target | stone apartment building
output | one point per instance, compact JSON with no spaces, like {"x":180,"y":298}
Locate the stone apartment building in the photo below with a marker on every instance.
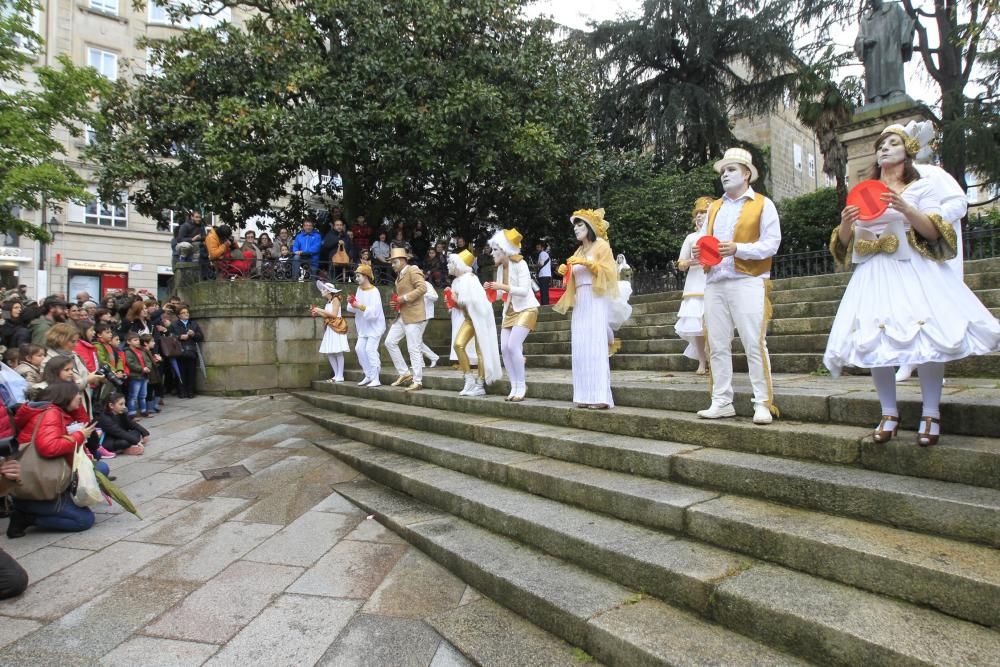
{"x":96,"y":247}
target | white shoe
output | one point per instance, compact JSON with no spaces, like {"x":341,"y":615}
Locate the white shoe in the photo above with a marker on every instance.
{"x":762,"y":415}
{"x":470,"y":382}
{"x":904,"y":373}
{"x":478,"y":388}
{"x":519,"y":391}
{"x":329,"y":381}
{"x":365,"y":381}
{"x":434,"y":362}
{"x":513,"y":391}
{"x":374,"y":383}
{"x":718,"y":411}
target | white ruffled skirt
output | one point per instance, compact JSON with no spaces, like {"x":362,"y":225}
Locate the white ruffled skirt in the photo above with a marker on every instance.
{"x":334,"y":342}
{"x":908,"y":313}
{"x":690,"y":323}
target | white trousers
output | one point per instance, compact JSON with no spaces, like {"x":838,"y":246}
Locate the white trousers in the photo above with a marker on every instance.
{"x":367,"y":350}
{"x":737,"y":303}
{"x":414,"y":334}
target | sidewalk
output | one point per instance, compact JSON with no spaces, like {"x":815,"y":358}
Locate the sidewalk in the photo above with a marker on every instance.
{"x":266,"y":566}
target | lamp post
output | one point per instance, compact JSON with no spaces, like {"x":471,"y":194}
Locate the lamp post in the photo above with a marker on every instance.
{"x":51,"y":225}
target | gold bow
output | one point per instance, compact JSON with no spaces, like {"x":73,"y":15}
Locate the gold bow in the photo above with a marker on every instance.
{"x":887,"y":244}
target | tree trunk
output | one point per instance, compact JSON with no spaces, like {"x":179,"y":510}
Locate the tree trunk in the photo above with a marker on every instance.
{"x":953,"y":139}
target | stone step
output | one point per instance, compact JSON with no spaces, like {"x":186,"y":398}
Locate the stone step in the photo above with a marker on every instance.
{"x":972,"y":267}
{"x":960,"y":579}
{"x":684,"y":573}
{"x":940,"y":508}
{"x":776,"y":344}
{"x":614,"y":624}
{"x":987,"y":366}
{"x":967,"y":410}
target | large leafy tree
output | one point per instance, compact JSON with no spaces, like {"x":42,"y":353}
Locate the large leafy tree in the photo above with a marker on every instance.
{"x":675,"y":75}
{"x":966,"y":50}
{"x":32,"y":167}
{"x":459,"y":112}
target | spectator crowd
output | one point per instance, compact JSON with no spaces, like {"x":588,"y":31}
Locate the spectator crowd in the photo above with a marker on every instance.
{"x":78,"y":379}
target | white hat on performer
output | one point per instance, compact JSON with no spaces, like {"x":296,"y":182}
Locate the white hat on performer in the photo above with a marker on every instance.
{"x":326,"y":288}
{"x":737,"y":156}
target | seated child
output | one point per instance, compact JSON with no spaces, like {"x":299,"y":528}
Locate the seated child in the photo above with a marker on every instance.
{"x":122,"y":434}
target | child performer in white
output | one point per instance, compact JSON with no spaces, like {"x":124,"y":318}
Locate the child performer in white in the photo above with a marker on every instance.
{"x":369,"y":320}
{"x":520,"y":312}
{"x":334,"y":342}
{"x":690,"y":318}
{"x":479,"y":324}
{"x":430,"y":298}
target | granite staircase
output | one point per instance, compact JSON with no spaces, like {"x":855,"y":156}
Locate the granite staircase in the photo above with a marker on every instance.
{"x":646,"y":536}
{"x":804,"y":309}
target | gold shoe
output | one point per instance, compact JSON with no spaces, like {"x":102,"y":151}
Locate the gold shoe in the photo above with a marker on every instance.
{"x":406,"y":377}
{"x":614,"y":346}
{"x":880,"y":434}
{"x":416,"y":386}
{"x":924,"y":436}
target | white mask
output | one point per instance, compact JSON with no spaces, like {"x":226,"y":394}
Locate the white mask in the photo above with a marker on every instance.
{"x":733,"y":177}
{"x":499,"y":256}
{"x":580,"y":230}
{"x":892,"y":151}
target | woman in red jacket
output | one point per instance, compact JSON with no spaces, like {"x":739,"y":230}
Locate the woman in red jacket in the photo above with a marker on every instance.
{"x":52,"y":417}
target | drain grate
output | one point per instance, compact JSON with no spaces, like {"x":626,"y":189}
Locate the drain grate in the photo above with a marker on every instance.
{"x":229,"y":472}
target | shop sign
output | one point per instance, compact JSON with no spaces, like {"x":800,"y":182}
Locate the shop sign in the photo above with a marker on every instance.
{"x":84,"y":265}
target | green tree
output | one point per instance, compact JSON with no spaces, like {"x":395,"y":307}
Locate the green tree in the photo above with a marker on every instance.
{"x":462,"y":114}
{"x":32,"y":171}
{"x":675,"y":75}
{"x":650,"y":212}
{"x":808,"y":220}
{"x":967,"y":50}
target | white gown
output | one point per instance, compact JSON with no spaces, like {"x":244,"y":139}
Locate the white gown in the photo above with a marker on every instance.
{"x":690,"y":317}
{"x":333,"y":342}
{"x":908,"y":312}
{"x":591,"y":334}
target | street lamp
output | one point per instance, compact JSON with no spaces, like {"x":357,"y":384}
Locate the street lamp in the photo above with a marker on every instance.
{"x":51,"y":225}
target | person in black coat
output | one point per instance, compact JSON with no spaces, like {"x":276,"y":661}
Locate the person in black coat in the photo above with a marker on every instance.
{"x":331,"y":241}
{"x":189,"y":334}
{"x":122,"y":434}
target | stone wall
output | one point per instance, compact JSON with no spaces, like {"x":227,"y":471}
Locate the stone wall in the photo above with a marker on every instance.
{"x":260,"y":338}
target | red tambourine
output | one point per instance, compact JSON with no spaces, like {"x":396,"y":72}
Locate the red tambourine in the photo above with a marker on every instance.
{"x":867,"y":196}
{"x":708,"y":251}
{"x":491,"y":295}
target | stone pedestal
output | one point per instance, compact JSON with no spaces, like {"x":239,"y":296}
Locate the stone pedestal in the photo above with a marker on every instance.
{"x":860,"y":134}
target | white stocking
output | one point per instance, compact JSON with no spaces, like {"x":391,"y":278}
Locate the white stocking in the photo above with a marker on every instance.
{"x":336,"y":360}
{"x":931,"y":378}
{"x":885,"y":385}
{"x":512,"y":348}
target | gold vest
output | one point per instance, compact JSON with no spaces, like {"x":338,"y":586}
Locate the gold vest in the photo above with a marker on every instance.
{"x":747,"y":231}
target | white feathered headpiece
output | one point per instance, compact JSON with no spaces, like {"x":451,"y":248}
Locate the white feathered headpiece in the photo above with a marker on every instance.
{"x":923,"y":132}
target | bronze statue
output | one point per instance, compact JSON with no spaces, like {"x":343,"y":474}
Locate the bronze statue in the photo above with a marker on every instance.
{"x":884,"y":43}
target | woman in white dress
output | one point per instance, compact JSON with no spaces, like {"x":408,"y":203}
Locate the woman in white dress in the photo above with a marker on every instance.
{"x":520,"y":311}
{"x":334,"y":342}
{"x":690,"y":325}
{"x":904,"y":305}
{"x":369,"y":321}
{"x":591,"y":288}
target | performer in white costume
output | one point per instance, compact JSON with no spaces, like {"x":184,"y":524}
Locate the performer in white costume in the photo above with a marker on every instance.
{"x":430,"y":298}
{"x":593,"y":292}
{"x":904,"y":304}
{"x":954,"y":203}
{"x":369,"y":320}
{"x":736,"y":290}
{"x":334,"y":342}
{"x":520,"y":311}
{"x":409,"y":301}
{"x":479,"y":325}
{"x":690,"y":318}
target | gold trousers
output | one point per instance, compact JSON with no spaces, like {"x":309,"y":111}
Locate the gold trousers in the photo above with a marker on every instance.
{"x":467,"y":332}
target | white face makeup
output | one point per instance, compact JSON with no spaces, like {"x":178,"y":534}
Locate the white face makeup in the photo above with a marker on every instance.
{"x":358,"y":279}
{"x":580,"y":230}
{"x":499,"y":256}
{"x":891,"y":151}
{"x":699,"y":220}
{"x":397,"y":265}
{"x":733,"y":177}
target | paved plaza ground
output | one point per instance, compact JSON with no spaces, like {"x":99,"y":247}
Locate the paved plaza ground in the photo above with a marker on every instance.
{"x":272,"y":568}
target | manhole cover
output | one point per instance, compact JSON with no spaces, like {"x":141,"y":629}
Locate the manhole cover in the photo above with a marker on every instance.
{"x":230,"y":472}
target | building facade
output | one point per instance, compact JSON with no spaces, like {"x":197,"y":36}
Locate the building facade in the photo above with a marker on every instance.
{"x":98,"y":246}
